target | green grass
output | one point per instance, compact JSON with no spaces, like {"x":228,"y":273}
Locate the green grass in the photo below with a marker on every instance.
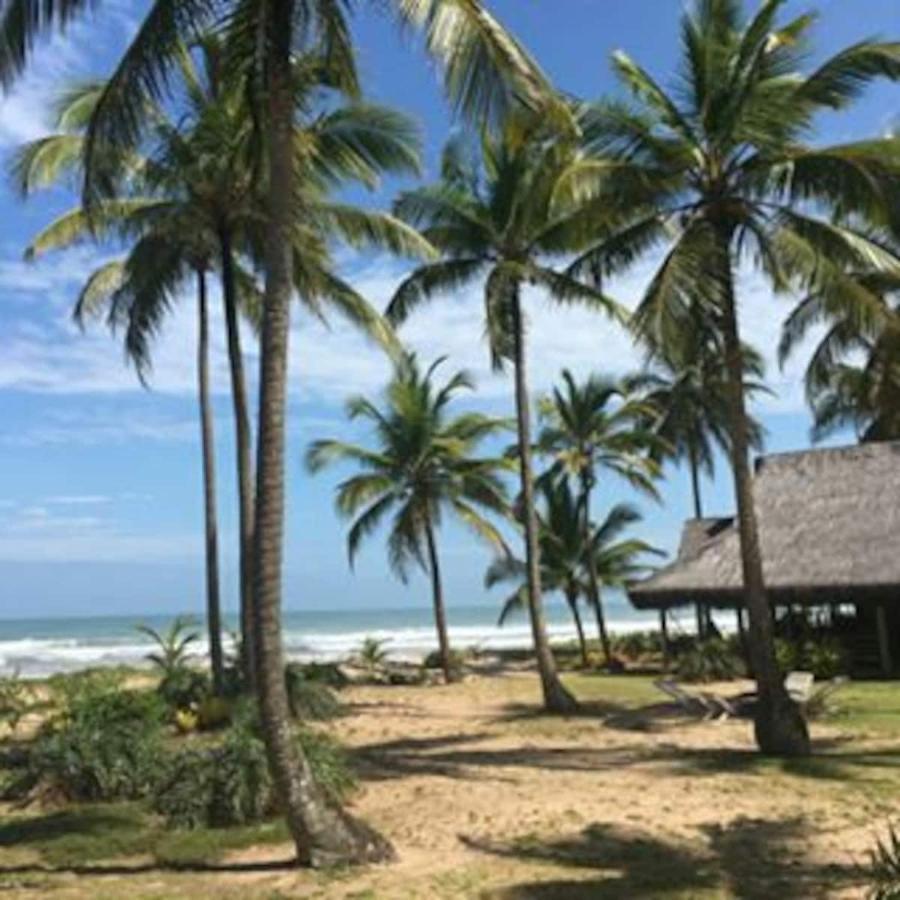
{"x":868,"y":708}
{"x":92,"y":834}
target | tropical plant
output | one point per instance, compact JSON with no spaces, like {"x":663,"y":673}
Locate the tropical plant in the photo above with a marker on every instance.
{"x":373,"y":653}
{"x":486,"y":72}
{"x":104,"y":743}
{"x":310,"y":700}
{"x":173,"y":646}
{"x":564,"y":555}
{"x":685,"y":387}
{"x":712,"y":659}
{"x":723,"y":164}
{"x":491,"y":218}
{"x":883,"y":870}
{"x":423,"y":467}
{"x":16,"y":699}
{"x":598,"y":426}
{"x":853,"y":376}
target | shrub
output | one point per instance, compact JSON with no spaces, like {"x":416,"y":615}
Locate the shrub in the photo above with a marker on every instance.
{"x":710,"y":660}
{"x":883,"y":871}
{"x":637,"y":644}
{"x":310,"y":700}
{"x":213,"y":712}
{"x":16,"y":699}
{"x":372,"y":653}
{"x":825,"y":657}
{"x":457,"y":662}
{"x":323,"y":673}
{"x":102,"y":745}
{"x":183,"y":688}
{"x":229,"y":784}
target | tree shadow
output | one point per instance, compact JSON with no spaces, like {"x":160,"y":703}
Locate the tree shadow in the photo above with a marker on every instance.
{"x":753,"y":859}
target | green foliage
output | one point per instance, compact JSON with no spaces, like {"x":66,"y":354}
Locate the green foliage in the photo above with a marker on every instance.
{"x":637,"y":644}
{"x":710,"y":660}
{"x":213,"y":712}
{"x":16,"y":698}
{"x":228,"y":783}
{"x":825,"y":657}
{"x":372,"y":654}
{"x":883,"y":870}
{"x":323,"y":673}
{"x":173,"y":646}
{"x":310,"y":700}
{"x":102,"y":745}
{"x":458,"y":660}
{"x":183,"y":688}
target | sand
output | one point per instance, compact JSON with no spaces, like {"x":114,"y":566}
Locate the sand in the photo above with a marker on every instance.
{"x":482,"y":797}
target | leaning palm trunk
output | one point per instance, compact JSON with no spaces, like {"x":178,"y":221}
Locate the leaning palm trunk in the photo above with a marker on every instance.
{"x":702,"y":620}
{"x":593,"y":579}
{"x":323,"y":833}
{"x":572,"y":601}
{"x":556,"y":697}
{"x":780,"y":727}
{"x":243,"y":441}
{"x":207,"y":440}
{"x":440,"y":614}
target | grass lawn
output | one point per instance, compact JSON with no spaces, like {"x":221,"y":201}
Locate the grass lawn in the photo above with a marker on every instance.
{"x":485,"y":797}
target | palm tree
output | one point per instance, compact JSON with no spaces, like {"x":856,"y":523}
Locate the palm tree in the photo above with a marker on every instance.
{"x":853,"y":376}
{"x":723,"y":162}
{"x":422,"y":468}
{"x":491,"y":219}
{"x":685,"y":387}
{"x":599,"y":425}
{"x":564,"y":561}
{"x":486,"y":73}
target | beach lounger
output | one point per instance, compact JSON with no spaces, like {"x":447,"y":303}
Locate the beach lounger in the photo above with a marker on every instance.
{"x":799,"y":686}
{"x":709,"y":706}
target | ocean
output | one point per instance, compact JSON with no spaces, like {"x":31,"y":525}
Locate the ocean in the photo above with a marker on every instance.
{"x":39,"y":647}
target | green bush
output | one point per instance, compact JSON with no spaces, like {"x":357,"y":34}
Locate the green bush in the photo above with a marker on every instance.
{"x":101,"y":745}
{"x":182,"y":688}
{"x":16,"y":699}
{"x":825,"y":657}
{"x":310,"y":700}
{"x":637,"y":644}
{"x":323,"y":673}
{"x":710,"y":660}
{"x":229,"y":784}
{"x":457,"y":662}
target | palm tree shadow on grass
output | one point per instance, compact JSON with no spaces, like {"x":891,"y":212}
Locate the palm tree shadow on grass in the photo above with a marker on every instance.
{"x":750,"y":859}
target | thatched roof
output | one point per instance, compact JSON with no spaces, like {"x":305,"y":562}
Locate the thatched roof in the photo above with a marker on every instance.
{"x":829,"y":523}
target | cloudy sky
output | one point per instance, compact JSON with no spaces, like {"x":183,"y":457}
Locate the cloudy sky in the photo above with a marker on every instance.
{"x":100,"y":504}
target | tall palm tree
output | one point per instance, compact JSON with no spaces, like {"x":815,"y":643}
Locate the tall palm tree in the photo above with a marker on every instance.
{"x":853,"y":376}
{"x":723,"y":161}
{"x":491,"y":219}
{"x":486,"y":71}
{"x":423,"y":467}
{"x":598,"y":426}
{"x":564,"y":555}
{"x":686,"y":389}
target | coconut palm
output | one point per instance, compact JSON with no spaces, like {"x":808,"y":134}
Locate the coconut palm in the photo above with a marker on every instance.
{"x":564,"y":560}
{"x":423,"y":468}
{"x":685,"y":388}
{"x":723,"y":164}
{"x":486,"y":73}
{"x":492,"y":222}
{"x":599,"y":425}
{"x":853,"y":376}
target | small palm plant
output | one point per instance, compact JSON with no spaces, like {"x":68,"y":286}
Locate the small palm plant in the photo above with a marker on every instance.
{"x":373,"y":653}
{"x":424,"y":466}
{"x":173,"y":646}
{"x":883,"y":871}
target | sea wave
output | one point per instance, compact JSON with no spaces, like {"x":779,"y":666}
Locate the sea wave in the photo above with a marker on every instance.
{"x":35,"y":657}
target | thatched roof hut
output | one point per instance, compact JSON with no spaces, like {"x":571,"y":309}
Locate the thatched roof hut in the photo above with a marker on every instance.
{"x":829,"y":523}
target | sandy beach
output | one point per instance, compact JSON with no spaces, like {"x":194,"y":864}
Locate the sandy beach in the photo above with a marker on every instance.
{"x":484,"y":797}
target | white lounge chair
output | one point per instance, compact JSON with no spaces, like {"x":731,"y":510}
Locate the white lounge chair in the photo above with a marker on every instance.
{"x":709,"y":706}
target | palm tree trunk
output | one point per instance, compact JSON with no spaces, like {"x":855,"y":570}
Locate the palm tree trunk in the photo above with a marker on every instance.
{"x":243,"y":441}
{"x":323,"y":833}
{"x":779,"y":725}
{"x":208,"y":444}
{"x":556,"y":697}
{"x":587,"y":483}
{"x":572,"y":600}
{"x":698,"y":514}
{"x":437,"y":594}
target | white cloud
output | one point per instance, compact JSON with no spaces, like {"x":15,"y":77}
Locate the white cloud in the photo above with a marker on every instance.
{"x":78,"y":499}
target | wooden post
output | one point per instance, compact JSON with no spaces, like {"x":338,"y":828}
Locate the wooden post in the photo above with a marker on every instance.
{"x":884,"y":642}
{"x":664,"y":631}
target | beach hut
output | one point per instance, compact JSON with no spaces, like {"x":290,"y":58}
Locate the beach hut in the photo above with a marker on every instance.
{"x":829,"y":523}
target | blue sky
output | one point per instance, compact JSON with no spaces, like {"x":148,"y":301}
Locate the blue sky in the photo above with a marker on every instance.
{"x":100,"y":505}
